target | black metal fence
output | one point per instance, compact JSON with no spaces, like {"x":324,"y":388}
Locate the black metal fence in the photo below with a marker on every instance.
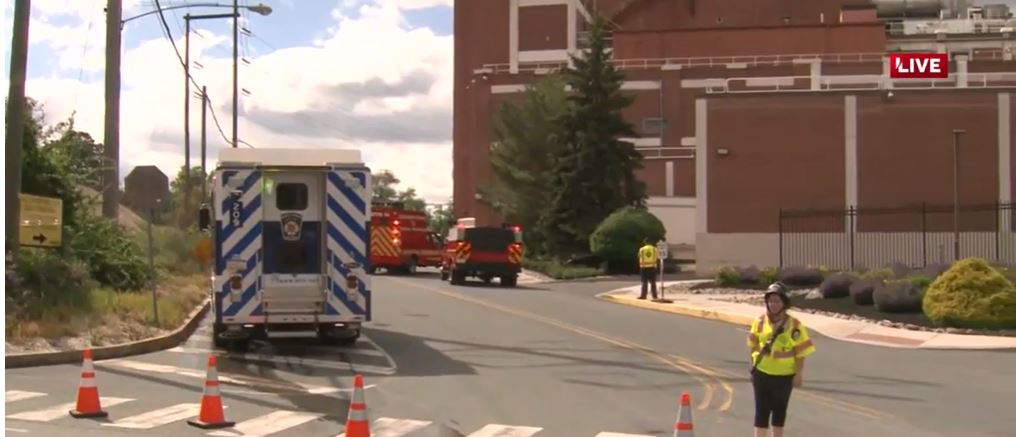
{"x":916,"y":235}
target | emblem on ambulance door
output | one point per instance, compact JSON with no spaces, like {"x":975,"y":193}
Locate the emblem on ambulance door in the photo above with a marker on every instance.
{"x":292,"y":223}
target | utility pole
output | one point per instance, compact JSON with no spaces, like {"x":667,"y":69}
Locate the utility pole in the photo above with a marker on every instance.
{"x":204,"y":143}
{"x":16,"y":121}
{"x":186,"y":116}
{"x":111,"y":135}
{"x":236,"y":55}
{"x":956,"y":192}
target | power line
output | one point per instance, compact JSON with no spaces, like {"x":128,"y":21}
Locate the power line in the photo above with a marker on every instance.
{"x":169,"y":34}
{"x":84,"y":53}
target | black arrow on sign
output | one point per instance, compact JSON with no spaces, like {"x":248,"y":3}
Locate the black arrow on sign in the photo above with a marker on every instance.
{"x":40,"y":238}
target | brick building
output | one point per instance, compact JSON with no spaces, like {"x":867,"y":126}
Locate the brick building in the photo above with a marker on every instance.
{"x":744,"y":110}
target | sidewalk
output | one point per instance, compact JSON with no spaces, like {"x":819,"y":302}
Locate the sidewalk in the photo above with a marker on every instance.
{"x":709,"y":307}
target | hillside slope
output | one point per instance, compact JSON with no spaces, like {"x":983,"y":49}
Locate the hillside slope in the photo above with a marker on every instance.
{"x":128,"y":218}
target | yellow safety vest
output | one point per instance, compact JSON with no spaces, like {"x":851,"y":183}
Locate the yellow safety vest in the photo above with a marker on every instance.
{"x":793,"y":343}
{"x":647,"y":256}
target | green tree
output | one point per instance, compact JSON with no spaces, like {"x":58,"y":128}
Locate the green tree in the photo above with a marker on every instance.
{"x":183,"y":214}
{"x":441,"y":218}
{"x":42,"y":172}
{"x":384,"y":184}
{"x":77,"y":153}
{"x":594,"y":171}
{"x":527,"y":138}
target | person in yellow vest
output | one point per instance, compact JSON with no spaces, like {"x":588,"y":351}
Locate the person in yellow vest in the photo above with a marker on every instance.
{"x":647,"y":265}
{"x":779,"y":343}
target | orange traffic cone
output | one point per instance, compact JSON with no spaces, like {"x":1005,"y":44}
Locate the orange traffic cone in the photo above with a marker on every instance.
{"x":683,"y":427}
{"x":211,"y":415}
{"x":357,"y":424}
{"x":88,"y":405}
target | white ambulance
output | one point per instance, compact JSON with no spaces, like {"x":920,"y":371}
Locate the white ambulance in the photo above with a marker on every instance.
{"x":290,"y":231}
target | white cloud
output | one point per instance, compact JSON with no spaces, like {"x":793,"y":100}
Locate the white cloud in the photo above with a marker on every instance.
{"x":372,"y":84}
{"x":419,"y":4}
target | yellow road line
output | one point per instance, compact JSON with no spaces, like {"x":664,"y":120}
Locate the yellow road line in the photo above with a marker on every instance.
{"x":664,"y":358}
{"x":738,"y":319}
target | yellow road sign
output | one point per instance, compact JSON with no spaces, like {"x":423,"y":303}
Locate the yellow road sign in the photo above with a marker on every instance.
{"x":41,"y":221}
{"x":202,"y":251}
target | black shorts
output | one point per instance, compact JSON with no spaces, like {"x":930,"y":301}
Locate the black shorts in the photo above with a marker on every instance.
{"x":772,"y":396}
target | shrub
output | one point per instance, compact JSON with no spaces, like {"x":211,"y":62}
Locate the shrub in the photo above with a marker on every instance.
{"x":44,"y":280}
{"x":801,"y":276}
{"x":174,"y":248}
{"x":882,"y":274}
{"x":618,"y":237}
{"x":899,"y":269}
{"x":727,"y":277}
{"x":114,"y":258}
{"x":932,"y":271}
{"x":557,"y":270}
{"x":749,"y":275}
{"x":971,"y":294}
{"x":837,"y":285}
{"x":861,"y":291}
{"x":768,"y":275}
{"x":898,"y":296}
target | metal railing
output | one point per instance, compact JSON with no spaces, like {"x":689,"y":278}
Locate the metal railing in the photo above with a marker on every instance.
{"x":716,"y":61}
{"x":917,"y":236}
{"x":667,"y":152}
{"x":950,"y":27}
{"x":858,"y":82}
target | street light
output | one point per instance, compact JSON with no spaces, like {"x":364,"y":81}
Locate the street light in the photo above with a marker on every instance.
{"x":260,"y":9}
{"x":956,"y":192}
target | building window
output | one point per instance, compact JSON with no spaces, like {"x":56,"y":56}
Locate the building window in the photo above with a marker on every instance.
{"x":291,"y":197}
{"x":653,"y":126}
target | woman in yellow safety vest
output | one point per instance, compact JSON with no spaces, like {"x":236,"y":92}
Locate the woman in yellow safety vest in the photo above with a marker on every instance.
{"x":777,"y":360}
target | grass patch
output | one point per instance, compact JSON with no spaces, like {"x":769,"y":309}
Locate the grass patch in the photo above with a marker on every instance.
{"x":557,"y":270}
{"x":112,"y":317}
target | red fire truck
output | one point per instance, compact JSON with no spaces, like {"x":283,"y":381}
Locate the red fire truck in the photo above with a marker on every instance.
{"x":400,"y":240}
{"x":484,"y":252}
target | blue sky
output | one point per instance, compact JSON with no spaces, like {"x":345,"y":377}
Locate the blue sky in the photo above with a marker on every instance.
{"x":367,"y":74}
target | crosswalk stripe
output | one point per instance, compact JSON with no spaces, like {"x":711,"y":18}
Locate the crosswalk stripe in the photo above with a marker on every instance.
{"x":18,"y":395}
{"x":249,"y":382}
{"x":268,"y":424}
{"x":620,"y":434}
{"x":48,"y":414}
{"x":388,"y":427}
{"x":505,"y":431}
{"x":158,"y":417}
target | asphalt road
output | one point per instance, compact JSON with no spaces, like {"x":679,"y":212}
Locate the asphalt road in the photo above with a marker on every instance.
{"x":545,"y":358}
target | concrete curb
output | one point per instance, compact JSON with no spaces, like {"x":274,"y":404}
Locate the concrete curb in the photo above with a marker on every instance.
{"x":147,"y":345}
{"x":722,"y":316}
{"x":740,"y":319}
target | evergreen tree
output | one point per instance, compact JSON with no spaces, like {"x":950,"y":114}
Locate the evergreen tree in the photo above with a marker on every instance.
{"x":527,"y":138}
{"x":595,"y":170}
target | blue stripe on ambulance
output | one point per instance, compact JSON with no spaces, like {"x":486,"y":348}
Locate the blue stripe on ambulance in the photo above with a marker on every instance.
{"x":250,"y":241}
{"x":341,"y":228}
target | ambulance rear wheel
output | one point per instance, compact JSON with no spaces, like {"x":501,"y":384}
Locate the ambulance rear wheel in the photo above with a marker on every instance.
{"x":509,"y":281}
{"x":458,"y":278}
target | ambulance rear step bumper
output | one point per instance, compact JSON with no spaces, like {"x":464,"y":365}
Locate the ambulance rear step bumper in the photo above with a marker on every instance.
{"x":292,"y":334}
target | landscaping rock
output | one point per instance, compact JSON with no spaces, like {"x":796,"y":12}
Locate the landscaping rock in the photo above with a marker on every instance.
{"x":800,"y":276}
{"x":862,"y":291}
{"x":837,"y":285}
{"x":899,"y":296}
{"x":814,"y":294}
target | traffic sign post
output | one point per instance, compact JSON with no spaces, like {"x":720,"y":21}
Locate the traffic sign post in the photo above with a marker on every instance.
{"x":41,"y":221}
{"x":661,"y":251}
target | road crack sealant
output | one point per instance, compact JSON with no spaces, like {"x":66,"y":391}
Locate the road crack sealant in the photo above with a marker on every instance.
{"x":681,"y":363}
